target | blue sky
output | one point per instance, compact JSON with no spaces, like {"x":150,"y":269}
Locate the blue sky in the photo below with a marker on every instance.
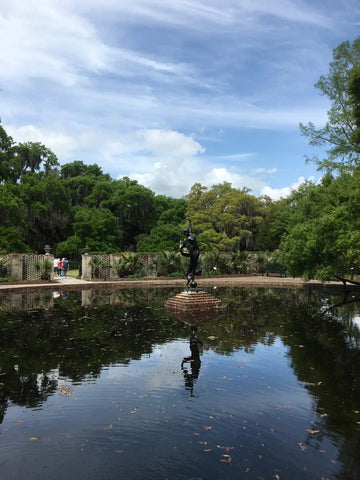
{"x":173,"y":93}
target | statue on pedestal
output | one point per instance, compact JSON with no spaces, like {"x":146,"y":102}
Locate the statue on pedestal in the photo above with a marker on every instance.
{"x":190,"y":248}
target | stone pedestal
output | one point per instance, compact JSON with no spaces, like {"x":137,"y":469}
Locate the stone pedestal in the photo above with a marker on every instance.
{"x":194,"y":306}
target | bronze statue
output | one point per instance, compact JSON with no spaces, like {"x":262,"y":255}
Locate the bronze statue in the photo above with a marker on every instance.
{"x":189,"y":248}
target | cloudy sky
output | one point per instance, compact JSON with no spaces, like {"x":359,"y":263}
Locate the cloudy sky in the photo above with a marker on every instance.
{"x":172,"y":93}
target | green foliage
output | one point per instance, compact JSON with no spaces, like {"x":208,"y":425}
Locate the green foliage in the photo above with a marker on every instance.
{"x":274,"y":226}
{"x":97,"y":227}
{"x":99,"y":266}
{"x":72,"y":247}
{"x":239,"y":262}
{"x":168,"y":262}
{"x":12,"y":241}
{"x":227,"y":219}
{"x":45,"y":267}
{"x":163,"y":237}
{"x":324,"y":227}
{"x":214,"y":263}
{"x":341,"y":87}
{"x":129,"y":263}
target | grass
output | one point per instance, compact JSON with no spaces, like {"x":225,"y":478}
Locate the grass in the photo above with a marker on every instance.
{"x":73,"y":273}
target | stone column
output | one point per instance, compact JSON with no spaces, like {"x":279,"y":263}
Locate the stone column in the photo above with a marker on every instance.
{"x":16,"y":267}
{"x":85,"y":267}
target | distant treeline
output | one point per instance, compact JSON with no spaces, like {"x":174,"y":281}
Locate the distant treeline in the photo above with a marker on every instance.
{"x":74,"y":205}
{"x":316,"y":230}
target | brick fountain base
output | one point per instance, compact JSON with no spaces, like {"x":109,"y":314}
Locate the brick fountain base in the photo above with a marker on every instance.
{"x":194,"y":306}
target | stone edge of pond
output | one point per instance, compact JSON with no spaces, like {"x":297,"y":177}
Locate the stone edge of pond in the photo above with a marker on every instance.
{"x":214,"y":281}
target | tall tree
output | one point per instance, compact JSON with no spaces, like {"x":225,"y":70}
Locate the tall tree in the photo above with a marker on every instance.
{"x":225,"y":218}
{"x":338,"y":133}
{"x":324,"y":227}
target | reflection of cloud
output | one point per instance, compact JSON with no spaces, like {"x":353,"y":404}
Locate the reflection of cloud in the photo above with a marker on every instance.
{"x":159,"y":370}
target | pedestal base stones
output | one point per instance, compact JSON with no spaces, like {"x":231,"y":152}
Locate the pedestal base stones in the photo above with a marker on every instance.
{"x":193,"y":306}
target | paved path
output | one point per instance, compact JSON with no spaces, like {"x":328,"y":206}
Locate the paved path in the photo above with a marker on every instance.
{"x":219,"y":281}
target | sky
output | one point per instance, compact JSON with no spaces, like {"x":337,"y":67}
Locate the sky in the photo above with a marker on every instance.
{"x":173,"y":93}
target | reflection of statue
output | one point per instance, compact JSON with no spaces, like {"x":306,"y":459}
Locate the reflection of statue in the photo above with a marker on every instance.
{"x":194,"y":360}
{"x":189,"y":248}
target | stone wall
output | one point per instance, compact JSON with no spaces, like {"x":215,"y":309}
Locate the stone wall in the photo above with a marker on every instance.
{"x":21,"y":267}
{"x":105,"y":269}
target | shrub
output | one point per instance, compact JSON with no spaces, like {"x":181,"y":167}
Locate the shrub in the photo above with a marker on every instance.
{"x":129,"y":264}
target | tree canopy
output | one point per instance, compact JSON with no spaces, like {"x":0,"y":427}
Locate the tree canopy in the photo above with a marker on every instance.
{"x":226,"y":218}
{"x":316,"y":228}
{"x":341,"y":86}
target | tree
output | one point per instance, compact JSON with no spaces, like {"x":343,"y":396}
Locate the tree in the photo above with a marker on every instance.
{"x":161,"y":238}
{"x":324,"y":227}
{"x":46,"y":209}
{"x":31,"y":155}
{"x":338,"y":133}
{"x":133,"y":206}
{"x":354,"y":90}
{"x":225,"y":218}
{"x":6,"y":154}
{"x":274,"y":226}
{"x":98,"y":228}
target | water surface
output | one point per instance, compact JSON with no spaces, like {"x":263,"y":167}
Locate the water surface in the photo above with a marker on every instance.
{"x":106,"y":384}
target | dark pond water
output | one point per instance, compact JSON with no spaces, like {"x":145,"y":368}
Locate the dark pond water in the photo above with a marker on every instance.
{"x":107,"y":385}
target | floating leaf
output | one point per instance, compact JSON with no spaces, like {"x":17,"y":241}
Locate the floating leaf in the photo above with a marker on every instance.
{"x":32,"y":438}
{"x":312,"y":431}
{"x":205,"y":427}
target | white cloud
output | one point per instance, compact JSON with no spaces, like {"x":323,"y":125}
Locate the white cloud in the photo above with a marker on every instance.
{"x":264,"y":170}
{"x":277,"y":193}
{"x":119,"y":83}
{"x":170,"y":162}
{"x":60,"y":143}
{"x":170,"y":143}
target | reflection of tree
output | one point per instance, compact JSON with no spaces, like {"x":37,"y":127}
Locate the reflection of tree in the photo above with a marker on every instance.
{"x":193,"y":361}
{"x":325,"y":355}
{"x":323,"y":343}
{"x":76,"y":341}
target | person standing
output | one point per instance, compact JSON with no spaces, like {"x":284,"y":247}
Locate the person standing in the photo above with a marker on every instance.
{"x":65,"y":266}
{"x":56,"y":261}
{"x":60,"y":264}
